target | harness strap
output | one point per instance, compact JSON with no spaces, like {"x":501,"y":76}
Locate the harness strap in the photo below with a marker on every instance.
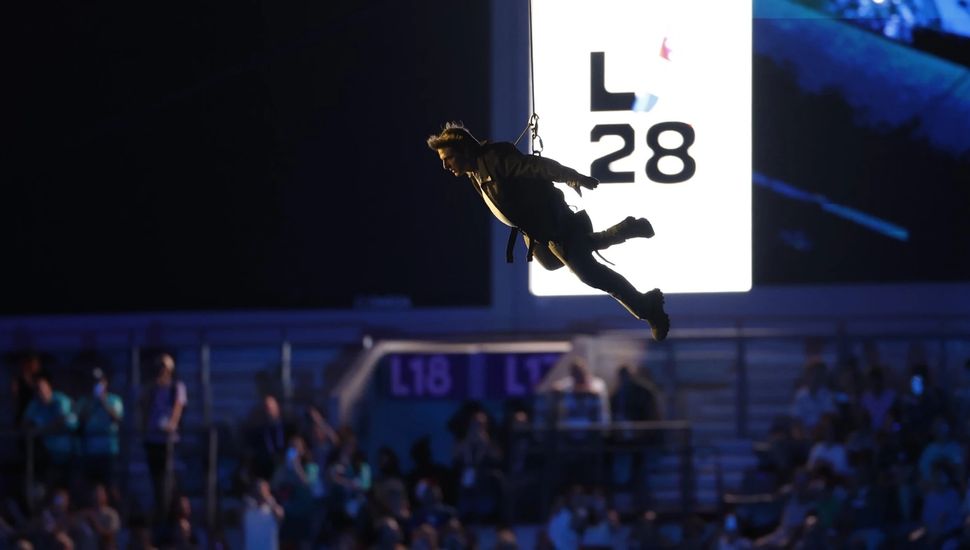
{"x":510,"y":246}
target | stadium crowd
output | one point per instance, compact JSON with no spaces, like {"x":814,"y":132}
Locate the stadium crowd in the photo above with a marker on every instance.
{"x":867,"y":458}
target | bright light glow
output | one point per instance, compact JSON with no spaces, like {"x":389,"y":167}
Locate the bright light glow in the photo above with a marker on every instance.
{"x":678,"y":61}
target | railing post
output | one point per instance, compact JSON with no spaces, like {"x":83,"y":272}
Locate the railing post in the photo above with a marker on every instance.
{"x":136,"y":422}
{"x":211,"y":486}
{"x":741,"y":383}
{"x":286,"y":373}
{"x":30,"y":473}
{"x":205,"y":378}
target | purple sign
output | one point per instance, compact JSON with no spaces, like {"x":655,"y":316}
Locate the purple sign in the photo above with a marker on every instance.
{"x":517,"y":374}
{"x":418,"y":375}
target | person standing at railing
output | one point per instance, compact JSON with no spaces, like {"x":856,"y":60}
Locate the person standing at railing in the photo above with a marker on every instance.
{"x":163,"y":403}
{"x":51,"y":415}
{"x":100,"y":416}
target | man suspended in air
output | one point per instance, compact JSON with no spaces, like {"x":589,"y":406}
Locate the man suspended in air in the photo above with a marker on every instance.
{"x":519,"y":191}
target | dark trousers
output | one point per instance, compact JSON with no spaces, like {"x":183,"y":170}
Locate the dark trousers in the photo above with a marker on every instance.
{"x":161,"y":467}
{"x":574,"y":249}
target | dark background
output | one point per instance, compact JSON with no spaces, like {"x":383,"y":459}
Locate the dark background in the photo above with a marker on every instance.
{"x":255,"y":156}
{"x":245,"y":156}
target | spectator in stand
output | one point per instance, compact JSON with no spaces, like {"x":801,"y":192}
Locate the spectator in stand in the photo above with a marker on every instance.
{"x":878,"y":400}
{"x":163,"y":403}
{"x":800,"y":500}
{"x":961,"y":402}
{"x":181,"y":531}
{"x":424,"y":538}
{"x":941,"y":518}
{"x":813,"y":400}
{"x":583,"y":396}
{"x":261,"y":520}
{"x":602,"y":522}
{"x":266,"y":437}
{"x":348,"y":481}
{"x":100,"y":416}
{"x":319,"y":435}
{"x":454,"y":536}
{"x":24,"y":384}
{"x":50,"y":413}
{"x":425,"y":468}
{"x":430,"y":509}
{"x":943,"y":448}
{"x":730,"y":537}
{"x":477,"y":461}
{"x":505,"y":539}
{"x":103,"y":519}
{"x":828,"y":450}
{"x":636,"y":398}
{"x":297,"y":483}
{"x":389,"y":535}
{"x":869,"y":508}
{"x":568,"y":520}
{"x":919,"y":406}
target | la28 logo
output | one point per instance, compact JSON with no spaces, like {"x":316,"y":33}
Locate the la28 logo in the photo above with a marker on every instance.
{"x":602,"y":100}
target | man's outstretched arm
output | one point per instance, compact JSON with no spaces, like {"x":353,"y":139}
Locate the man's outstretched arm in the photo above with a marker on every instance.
{"x":517,"y":165}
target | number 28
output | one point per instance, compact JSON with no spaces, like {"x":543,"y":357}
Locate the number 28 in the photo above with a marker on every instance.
{"x":600,"y":169}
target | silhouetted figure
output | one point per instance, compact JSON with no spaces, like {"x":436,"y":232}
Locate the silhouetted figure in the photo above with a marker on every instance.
{"x":163,"y":403}
{"x":519,"y":191}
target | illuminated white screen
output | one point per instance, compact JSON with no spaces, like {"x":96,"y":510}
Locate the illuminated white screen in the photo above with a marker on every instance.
{"x":660,"y":61}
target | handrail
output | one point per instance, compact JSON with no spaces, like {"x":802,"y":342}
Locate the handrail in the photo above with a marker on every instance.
{"x":30,"y":435}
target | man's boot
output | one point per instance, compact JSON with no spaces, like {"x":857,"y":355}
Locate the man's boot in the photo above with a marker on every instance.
{"x":629,"y":228}
{"x":649,"y":307}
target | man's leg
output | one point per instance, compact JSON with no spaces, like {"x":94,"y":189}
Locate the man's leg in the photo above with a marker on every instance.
{"x":577,"y":255}
{"x":629,"y":228}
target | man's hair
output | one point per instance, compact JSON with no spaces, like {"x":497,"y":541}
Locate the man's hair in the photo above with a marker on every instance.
{"x":454,"y":134}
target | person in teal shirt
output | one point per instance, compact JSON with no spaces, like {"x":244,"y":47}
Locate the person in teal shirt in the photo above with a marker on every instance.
{"x":51,"y":416}
{"x":100,"y":416}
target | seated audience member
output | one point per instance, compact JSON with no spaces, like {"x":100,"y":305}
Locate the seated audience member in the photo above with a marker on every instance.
{"x":430,"y":508}
{"x":943,"y":448}
{"x":828,"y":450}
{"x":453,"y":536}
{"x":813,"y":399}
{"x":730,"y":538}
{"x":800,"y":500}
{"x":602,"y":522}
{"x":583,"y":397}
{"x":262,"y":518}
{"x":425,"y":537}
{"x":266,"y":438}
{"x":50,"y":413}
{"x":940,"y":519}
{"x":869,"y":507}
{"x":878,"y":400}
{"x":103,"y":519}
{"x":505,"y":539}
{"x":100,"y":416}
{"x":477,"y":461}
{"x":566,"y":524}
{"x":297,"y":483}
{"x":389,"y":535}
{"x":182,"y":531}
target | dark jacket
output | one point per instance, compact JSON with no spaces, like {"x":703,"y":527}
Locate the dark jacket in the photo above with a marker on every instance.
{"x":520,"y":186}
